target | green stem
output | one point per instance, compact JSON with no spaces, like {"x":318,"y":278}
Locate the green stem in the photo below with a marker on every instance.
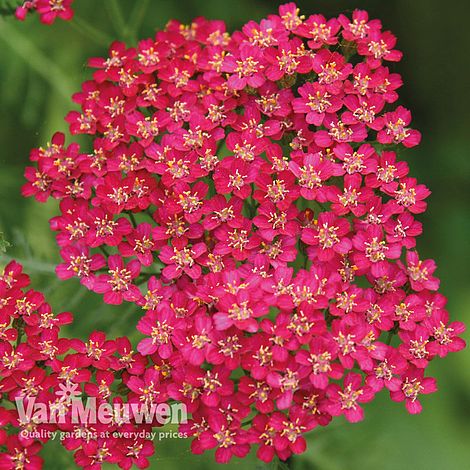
{"x":210,"y":182}
{"x":392,"y":333}
{"x":145,"y":276}
{"x":149,"y":213}
{"x":89,"y":31}
{"x":116,"y":326}
{"x":19,"y":325}
{"x":104,"y":251}
{"x":289,"y":462}
{"x":117,"y":18}
{"x":136,"y":19}
{"x":133,"y":221}
{"x":32,"y":265}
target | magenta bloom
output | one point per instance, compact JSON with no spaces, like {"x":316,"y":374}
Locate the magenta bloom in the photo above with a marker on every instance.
{"x":347,"y":401}
{"x":48,"y":10}
{"x":315,"y":102}
{"x":117,"y":284}
{"x":396,"y":130}
{"x":420,"y":272}
{"x":328,"y":236}
{"x":140,"y":244}
{"x":413,"y":385}
{"x":160,"y":325}
{"x":182,"y":260}
{"x":247,"y":68}
{"x":247,"y":194}
{"x":79,"y":263}
{"x":239,"y":311}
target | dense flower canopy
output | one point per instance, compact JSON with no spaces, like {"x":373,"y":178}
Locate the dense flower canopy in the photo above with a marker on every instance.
{"x":39,"y":366}
{"x":246,"y":192}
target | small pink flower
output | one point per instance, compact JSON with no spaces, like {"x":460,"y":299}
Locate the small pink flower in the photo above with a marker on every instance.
{"x":444,"y":334}
{"x":360,"y":26}
{"x":117,"y":284}
{"x":96,"y":351}
{"x":49,"y":10}
{"x":328,"y":236}
{"x":319,"y":31}
{"x":160,"y":325}
{"x":316,"y":101}
{"x":389,"y":367}
{"x":395,"y":128}
{"x":345,"y":401}
{"x":420,"y":272}
{"x":239,"y":311}
{"x":319,"y":362}
{"x":413,"y":385}
{"x":377,"y":46}
{"x":182,"y":261}
{"x":246,"y":69}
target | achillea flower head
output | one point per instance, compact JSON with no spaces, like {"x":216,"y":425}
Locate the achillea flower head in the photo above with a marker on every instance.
{"x":246,"y":192}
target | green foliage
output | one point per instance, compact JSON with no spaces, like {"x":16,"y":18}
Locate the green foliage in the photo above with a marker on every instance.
{"x":4,"y":245}
{"x":8,"y":7}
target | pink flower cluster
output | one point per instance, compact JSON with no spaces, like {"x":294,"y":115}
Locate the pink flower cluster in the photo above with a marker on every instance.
{"x":38,"y":365}
{"x":245,"y":191}
{"x":48,"y":10}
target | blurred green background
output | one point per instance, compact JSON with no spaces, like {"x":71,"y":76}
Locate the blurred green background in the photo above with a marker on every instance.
{"x":41,"y":66}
